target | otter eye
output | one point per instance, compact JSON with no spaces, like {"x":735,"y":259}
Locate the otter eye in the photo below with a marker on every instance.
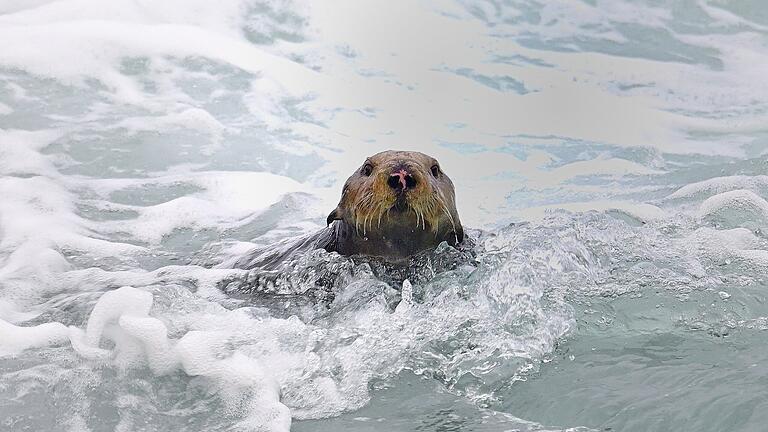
{"x":367,"y":169}
{"x":435,"y":170}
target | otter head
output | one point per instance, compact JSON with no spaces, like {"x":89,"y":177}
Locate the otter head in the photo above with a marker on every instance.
{"x":400,"y":196}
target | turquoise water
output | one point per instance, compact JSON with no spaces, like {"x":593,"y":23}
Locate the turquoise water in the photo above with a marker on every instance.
{"x":613,"y":153}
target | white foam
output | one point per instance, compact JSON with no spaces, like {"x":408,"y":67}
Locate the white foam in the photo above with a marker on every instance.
{"x":717,"y":185}
{"x":228,"y":199}
{"x":153,"y":335}
{"x":737,"y":208}
{"x":57,"y":42}
{"x":754,"y":257}
{"x":38,"y":216}
{"x":188,"y":119}
{"x":111,"y":306}
{"x":237,"y":375}
{"x":11,"y":313}
{"x":20,"y":152}
{"x":248,"y":390}
{"x":719,"y":245}
{"x":38,"y":222}
{"x":15,"y":339}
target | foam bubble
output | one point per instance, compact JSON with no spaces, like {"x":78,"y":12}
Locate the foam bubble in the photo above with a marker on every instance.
{"x":111,"y":306}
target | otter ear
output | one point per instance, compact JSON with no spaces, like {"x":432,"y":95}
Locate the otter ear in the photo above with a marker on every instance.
{"x":334,"y":215}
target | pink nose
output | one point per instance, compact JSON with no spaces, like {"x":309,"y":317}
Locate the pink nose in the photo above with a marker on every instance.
{"x":402,"y":175}
{"x":401,"y":180}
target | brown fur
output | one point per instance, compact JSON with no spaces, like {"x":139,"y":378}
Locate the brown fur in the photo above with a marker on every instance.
{"x":372,"y":218}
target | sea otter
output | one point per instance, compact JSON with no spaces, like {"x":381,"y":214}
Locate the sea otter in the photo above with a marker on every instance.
{"x":397,"y":204}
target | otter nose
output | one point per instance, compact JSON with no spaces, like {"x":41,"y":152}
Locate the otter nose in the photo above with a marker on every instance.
{"x":401,"y":180}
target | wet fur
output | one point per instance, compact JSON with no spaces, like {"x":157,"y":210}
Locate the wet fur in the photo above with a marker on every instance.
{"x":372,"y":219}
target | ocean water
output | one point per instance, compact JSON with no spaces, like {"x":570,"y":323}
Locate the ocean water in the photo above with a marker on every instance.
{"x":614,"y":154}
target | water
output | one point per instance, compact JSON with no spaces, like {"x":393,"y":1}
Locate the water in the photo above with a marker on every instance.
{"x":613,"y":155}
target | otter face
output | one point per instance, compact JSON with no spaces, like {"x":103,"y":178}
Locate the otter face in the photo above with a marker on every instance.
{"x":399,"y":189}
